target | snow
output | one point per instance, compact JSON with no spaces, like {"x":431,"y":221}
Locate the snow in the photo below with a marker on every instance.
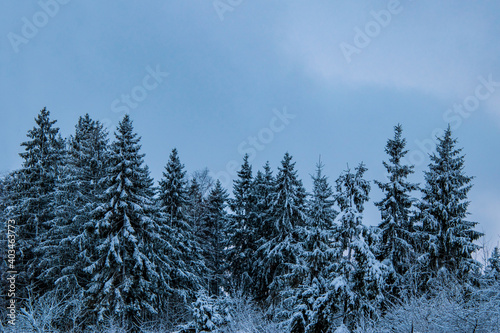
{"x":342,"y":329}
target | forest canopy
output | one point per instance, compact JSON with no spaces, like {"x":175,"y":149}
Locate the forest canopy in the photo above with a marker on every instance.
{"x":99,"y":244}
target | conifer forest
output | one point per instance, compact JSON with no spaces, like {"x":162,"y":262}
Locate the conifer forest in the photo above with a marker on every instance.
{"x":92,"y":243}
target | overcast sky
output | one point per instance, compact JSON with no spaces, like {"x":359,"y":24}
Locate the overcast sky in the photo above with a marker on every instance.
{"x":220,"y":78}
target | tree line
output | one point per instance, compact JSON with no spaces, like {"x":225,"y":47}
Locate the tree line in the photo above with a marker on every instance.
{"x":92,"y":224}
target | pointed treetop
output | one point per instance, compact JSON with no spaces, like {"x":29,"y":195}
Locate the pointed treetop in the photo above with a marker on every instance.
{"x":395,"y":148}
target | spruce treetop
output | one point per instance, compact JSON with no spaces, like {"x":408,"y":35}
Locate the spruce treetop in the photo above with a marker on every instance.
{"x":173,"y":187}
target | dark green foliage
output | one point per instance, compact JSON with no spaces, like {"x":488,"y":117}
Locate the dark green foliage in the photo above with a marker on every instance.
{"x":65,"y":251}
{"x":448,"y":237}
{"x":125,"y":281}
{"x":182,"y":267}
{"x":33,"y":197}
{"x":396,"y":237}
{"x":242,"y":230}
{"x":214,"y":238}
{"x":281,"y":250}
{"x":318,"y":252}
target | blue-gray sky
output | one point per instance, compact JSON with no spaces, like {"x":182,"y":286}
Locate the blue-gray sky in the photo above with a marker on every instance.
{"x":339,"y":74}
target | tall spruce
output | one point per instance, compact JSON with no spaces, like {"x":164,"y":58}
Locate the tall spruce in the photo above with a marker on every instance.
{"x":263,"y":187}
{"x":492,"y":270}
{"x":182,"y":265}
{"x":320,"y":228}
{"x":449,"y":236}
{"x":361,"y":277}
{"x":352,"y":194}
{"x":33,"y":197}
{"x":64,"y":253}
{"x":276,"y":257}
{"x":356,"y":276}
{"x":319,"y":252}
{"x":124,"y":281}
{"x":396,"y":233}
{"x":173,"y":190}
{"x":263,"y":192}
{"x":242,"y":229}
{"x":214,"y":238}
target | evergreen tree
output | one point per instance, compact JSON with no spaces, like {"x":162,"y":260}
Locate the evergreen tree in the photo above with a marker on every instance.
{"x":182,"y":263}
{"x":363,"y":273}
{"x":449,"y":237}
{"x":242,"y":229}
{"x":33,"y":196}
{"x":173,"y":191}
{"x":318,"y":253}
{"x":89,"y":156}
{"x":263,"y":192}
{"x":124,"y":275}
{"x":396,"y":239}
{"x":492,"y":270}
{"x":64,"y":253}
{"x":354,"y":288}
{"x":214,"y":228}
{"x":352,"y":193}
{"x":320,"y":228}
{"x":281,"y":250}
{"x":263,"y":188}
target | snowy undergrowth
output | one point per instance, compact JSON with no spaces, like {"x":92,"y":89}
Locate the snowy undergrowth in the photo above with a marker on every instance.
{"x":249,"y":319}
{"x":226,"y":314}
{"x":446,"y":312}
{"x":229,"y":314}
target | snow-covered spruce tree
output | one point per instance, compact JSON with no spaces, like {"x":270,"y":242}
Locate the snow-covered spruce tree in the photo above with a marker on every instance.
{"x":214,"y":238}
{"x":173,"y":189}
{"x":182,"y":265}
{"x":396,"y":234}
{"x":33,"y":196}
{"x":448,"y":236}
{"x":492,"y":270}
{"x":366,"y":275}
{"x":263,"y":191}
{"x":210,"y":314}
{"x":319,"y":251}
{"x":320,"y":228}
{"x":242,"y":228}
{"x":356,"y":277}
{"x":263,"y":187}
{"x":124,"y":282}
{"x":276,"y":257}
{"x":63,"y":254}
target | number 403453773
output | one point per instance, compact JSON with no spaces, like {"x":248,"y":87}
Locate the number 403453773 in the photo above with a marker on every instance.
{"x":11,"y":243}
